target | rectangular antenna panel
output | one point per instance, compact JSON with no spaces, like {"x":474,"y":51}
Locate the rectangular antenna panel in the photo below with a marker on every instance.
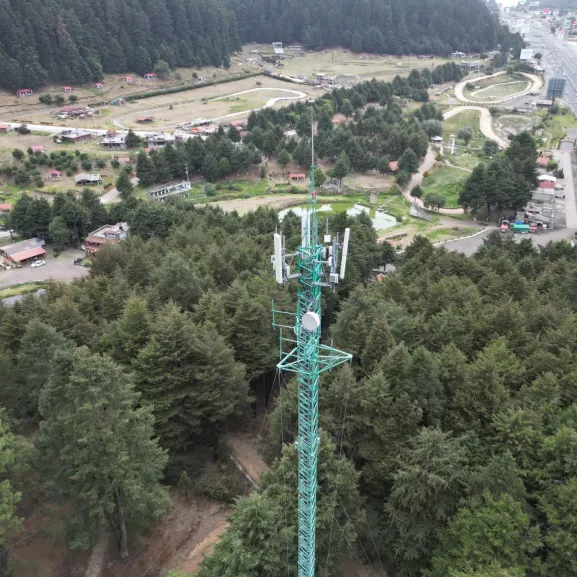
{"x":345,"y":252}
{"x":278,"y":259}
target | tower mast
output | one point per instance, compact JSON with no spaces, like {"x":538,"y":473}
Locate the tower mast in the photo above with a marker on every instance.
{"x":308,"y":357}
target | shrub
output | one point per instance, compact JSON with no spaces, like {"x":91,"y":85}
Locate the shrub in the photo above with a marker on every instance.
{"x":209,"y":190}
{"x":115,"y":163}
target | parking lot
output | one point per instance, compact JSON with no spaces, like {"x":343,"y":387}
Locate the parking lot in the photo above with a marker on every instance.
{"x":60,"y":268}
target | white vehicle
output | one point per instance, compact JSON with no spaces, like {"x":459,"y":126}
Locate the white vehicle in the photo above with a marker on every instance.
{"x":37,"y":263}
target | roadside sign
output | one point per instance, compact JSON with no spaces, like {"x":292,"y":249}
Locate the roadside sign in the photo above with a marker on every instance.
{"x":556,"y":87}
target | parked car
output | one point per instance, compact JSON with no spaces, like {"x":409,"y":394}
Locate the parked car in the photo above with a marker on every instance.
{"x":37,"y":263}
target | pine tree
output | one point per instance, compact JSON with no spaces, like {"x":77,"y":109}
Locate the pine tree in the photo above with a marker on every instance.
{"x":124,"y":186}
{"x":145,"y":169}
{"x":190,"y":379}
{"x":209,"y":168}
{"x":95,"y":447}
{"x":283,"y":158}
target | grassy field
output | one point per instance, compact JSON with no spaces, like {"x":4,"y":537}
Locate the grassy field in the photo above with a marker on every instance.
{"x":440,"y":234}
{"x":517,"y":122}
{"x":496,"y":91}
{"x":20,"y":289}
{"x":465,"y":157}
{"x":445,"y":181}
{"x":555,"y":126}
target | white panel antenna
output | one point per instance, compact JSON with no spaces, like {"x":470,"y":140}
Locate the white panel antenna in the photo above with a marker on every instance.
{"x":305,"y":228}
{"x":278,"y":259}
{"x":345,"y":253}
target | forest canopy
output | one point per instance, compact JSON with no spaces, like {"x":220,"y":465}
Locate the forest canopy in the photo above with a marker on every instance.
{"x":75,"y":42}
{"x":378,"y":26}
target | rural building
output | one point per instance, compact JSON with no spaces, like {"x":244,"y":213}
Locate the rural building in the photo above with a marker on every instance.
{"x":297,"y":176}
{"x":114,"y":142}
{"x":24,"y":251}
{"x":4,"y":128}
{"x":76,"y":136}
{"x":107,"y":234}
{"x":85,"y":178}
{"x":38,"y":148}
{"x":67,"y":89}
{"x":549,"y":177}
{"x":5,"y":208}
{"x":458,"y":55}
{"x":128,"y":79}
{"x":526,"y":54}
{"x":547,"y":184}
{"x":98,"y":85}
{"x":277,"y":47}
{"x":144,"y":119}
{"x":543,"y":161}
{"x":24,"y":92}
{"x":394,"y":166}
{"x":55,"y":174}
{"x":149,"y":75}
{"x":161,"y":193}
{"x":295,"y":48}
{"x":437,"y":140}
{"x":159,"y":140}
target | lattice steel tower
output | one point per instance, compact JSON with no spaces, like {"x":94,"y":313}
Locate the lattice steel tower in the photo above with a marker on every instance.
{"x":317,"y":267}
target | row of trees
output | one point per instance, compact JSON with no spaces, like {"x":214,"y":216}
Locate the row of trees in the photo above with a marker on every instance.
{"x":384,"y":26}
{"x":44,"y":41}
{"x":505,"y":182}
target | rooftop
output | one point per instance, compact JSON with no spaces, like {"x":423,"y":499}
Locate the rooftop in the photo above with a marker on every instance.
{"x":109,"y":233}
{"x":84,"y":176}
{"x":24,"y":249}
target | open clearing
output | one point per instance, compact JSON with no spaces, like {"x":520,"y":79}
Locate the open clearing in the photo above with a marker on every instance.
{"x":497,"y":91}
{"x":187,"y":106}
{"x":446,"y":181}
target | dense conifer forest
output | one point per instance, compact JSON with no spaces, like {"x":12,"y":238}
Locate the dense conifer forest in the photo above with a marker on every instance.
{"x":379,"y":26}
{"x":74,"y":42}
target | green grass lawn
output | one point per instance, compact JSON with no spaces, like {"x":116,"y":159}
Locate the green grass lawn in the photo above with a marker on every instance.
{"x":555,"y":125}
{"x":449,"y":233}
{"x":446,"y":181}
{"x":21,"y":289}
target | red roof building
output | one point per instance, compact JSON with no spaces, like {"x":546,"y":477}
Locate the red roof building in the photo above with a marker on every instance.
{"x":4,"y":127}
{"x":5,"y":208}
{"x":547,"y":184}
{"x":98,"y":85}
{"x":128,"y":79}
{"x":24,"y":92}
{"x":38,"y":148}
{"x":67,"y":89}
{"x":297,"y":176}
{"x":150,"y":75}
{"x":542,"y":161}
{"x":23,"y":251}
{"x":144,"y":119}
{"x":55,"y":174}
{"x":394,"y":166}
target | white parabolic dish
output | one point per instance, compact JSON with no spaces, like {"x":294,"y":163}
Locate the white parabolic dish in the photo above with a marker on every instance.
{"x":311,"y":321}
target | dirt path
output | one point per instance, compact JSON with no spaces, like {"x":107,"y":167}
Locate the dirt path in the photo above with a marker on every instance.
{"x":484,"y":122}
{"x":244,"y":452}
{"x":244,"y":205}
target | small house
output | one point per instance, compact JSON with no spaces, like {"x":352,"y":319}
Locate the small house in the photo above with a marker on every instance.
{"x":55,"y":174}
{"x":24,"y":92}
{"x":98,"y":85}
{"x":107,"y":234}
{"x":149,"y":75}
{"x":128,"y":79}
{"x":84,"y":178}
{"x":5,"y":208}
{"x":144,"y":119}
{"x":114,"y":142}
{"x":297,"y":176}
{"x":543,"y":161}
{"x":159,"y":140}
{"x":24,"y":251}
{"x":4,"y":128}
{"x":437,"y":140}
{"x":76,"y":136}
{"x":549,"y":177}
{"x":394,"y":166}
{"x":67,"y":89}
{"x":38,"y":148}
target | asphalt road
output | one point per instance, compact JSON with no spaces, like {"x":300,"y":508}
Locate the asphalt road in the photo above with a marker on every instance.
{"x":469,"y":246}
{"x":558,"y":57}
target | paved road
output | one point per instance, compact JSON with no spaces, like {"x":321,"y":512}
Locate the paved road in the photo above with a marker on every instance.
{"x":60,"y":268}
{"x":535,"y":85}
{"x":469,"y":246}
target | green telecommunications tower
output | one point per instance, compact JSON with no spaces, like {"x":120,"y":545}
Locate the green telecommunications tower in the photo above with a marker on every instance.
{"x":302,"y":352}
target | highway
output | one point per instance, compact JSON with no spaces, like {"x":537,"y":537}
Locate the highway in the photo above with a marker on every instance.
{"x":559,"y":58}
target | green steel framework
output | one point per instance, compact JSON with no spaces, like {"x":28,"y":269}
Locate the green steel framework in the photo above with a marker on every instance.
{"x":308,"y":359}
